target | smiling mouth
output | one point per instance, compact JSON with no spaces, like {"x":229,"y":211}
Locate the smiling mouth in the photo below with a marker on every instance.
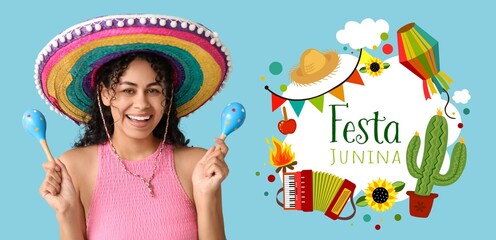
{"x":139,"y":118}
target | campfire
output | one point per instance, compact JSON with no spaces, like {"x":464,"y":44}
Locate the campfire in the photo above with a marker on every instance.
{"x":281,"y":156}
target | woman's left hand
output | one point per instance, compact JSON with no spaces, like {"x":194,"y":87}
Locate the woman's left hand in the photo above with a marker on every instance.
{"x":211,"y":170}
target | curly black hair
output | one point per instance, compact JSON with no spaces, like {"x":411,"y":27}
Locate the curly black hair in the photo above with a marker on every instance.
{"x":108,"y":75}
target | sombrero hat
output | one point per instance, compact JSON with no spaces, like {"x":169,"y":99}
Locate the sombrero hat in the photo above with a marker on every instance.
{"x":65,"y":66}
{"x":318,"y":73}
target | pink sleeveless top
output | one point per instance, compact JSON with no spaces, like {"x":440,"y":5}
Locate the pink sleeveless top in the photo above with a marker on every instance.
{"x":121,"y":206}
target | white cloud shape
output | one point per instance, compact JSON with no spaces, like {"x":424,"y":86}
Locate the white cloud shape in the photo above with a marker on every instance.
{"x":349,"y":144}
{"x":462,"y":96}
{"x":364,"y":34}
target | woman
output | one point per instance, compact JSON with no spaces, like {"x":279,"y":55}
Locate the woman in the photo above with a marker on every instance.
{"x":131,"y":176}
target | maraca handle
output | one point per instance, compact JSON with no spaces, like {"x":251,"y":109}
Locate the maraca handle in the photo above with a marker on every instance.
{"x":48,"y":154}
{"x":222,"y":137}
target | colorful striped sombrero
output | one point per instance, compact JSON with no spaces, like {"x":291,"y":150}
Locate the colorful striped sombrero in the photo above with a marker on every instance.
{"x":65,"y":66}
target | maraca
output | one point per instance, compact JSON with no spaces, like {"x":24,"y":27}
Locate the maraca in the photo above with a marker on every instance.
{"x":34,"y":123}
{"x":231,"y":119}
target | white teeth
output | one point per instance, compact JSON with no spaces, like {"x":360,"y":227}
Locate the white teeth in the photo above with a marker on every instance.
{"x":139,"y":118}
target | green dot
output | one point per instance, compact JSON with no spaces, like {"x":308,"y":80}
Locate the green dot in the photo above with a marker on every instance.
{"x":257,"y":173}
{"x":345,"y":48}
{"x":366,"y":218}
{"x":466,"y":111}
{"x":384,"y":36}
{"x":397,"y":217}
{"x":351,"y":224}
{"x":266,"y":194}
{"x":283,"y":87}
{"x":275,"y":68}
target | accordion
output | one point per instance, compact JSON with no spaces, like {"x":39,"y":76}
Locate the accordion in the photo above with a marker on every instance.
{"x":308,"y":190}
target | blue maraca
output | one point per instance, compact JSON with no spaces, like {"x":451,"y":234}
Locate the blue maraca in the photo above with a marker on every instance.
{"x":34,"y":123}
{"x":231,"y":119}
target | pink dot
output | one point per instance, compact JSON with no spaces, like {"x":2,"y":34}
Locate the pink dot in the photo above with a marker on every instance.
{"x":271,"y":178}
{"x":377,"y":227}
{"x":460,"y":125}
{"x":387,"y":48}
{"x":41,"y":118}
{"x":239,"y":120}
{"x":233,"y":110}
{"x":29,"y":115}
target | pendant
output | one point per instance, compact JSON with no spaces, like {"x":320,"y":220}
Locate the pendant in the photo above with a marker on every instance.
{"x":149,"y":186}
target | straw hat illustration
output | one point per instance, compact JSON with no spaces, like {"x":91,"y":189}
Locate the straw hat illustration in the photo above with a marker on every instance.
{"x":319,"y":72}
{"x":315,"y":66}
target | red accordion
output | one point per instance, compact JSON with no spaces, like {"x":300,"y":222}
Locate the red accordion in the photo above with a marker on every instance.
{"x":308,"y":190}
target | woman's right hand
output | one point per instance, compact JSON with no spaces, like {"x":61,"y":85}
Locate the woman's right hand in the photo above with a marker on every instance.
{"x":57,"y":188}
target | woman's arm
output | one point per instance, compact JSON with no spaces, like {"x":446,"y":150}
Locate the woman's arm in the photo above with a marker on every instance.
{"x":72,"y":224}
{"x":59,"y":192}
{"x":210,"y":217}
{"x":208,"y":175}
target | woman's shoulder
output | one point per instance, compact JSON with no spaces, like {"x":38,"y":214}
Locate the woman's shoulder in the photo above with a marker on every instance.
{"x":189,"y":154}
{"x":186,"y":158}
{"x":189,"y":150}
{"x":80,"y":157}
{"x":81,"y":163}
{"x":78,"y":153}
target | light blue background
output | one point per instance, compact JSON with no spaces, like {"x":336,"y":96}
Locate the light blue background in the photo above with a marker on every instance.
{"x":257,"y":33}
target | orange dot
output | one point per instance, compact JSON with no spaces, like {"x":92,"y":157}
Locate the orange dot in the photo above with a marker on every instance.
{"x":227,"y":122}
{"x":262,"y":78}
{"x":36,"y":129}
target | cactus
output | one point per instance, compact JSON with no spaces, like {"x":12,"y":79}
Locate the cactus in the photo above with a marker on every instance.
{"x":435,"y":148}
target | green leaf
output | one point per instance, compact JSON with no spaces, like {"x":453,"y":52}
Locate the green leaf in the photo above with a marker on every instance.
{"x":398,"y":186}
{"x":386,"y":65}
{"x":363,"y":70}
{"x":361,"y":202}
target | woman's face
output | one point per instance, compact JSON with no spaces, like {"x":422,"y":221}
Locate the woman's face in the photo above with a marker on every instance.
{"x":137,"y":106}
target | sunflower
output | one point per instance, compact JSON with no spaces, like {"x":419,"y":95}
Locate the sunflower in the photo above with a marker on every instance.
{"x":374,"y":67}
{"x":380,"y":195}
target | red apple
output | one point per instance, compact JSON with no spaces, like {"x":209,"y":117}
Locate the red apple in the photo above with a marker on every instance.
{"x":287,"y":126}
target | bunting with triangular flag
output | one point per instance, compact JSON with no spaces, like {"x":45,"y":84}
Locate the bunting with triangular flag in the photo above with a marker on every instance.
{"x":338,"y":92}
{"x":277,"y":101}
{"x":324,"y":81}
{"x":354,"y":78}
{"x":318,"y":102}
{"x":297,"y":106}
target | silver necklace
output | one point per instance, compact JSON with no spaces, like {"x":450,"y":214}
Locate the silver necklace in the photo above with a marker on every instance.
{"x":147,"y":181}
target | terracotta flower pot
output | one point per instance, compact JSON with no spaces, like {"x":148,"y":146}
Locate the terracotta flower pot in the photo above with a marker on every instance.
{"x":420,"y":206}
